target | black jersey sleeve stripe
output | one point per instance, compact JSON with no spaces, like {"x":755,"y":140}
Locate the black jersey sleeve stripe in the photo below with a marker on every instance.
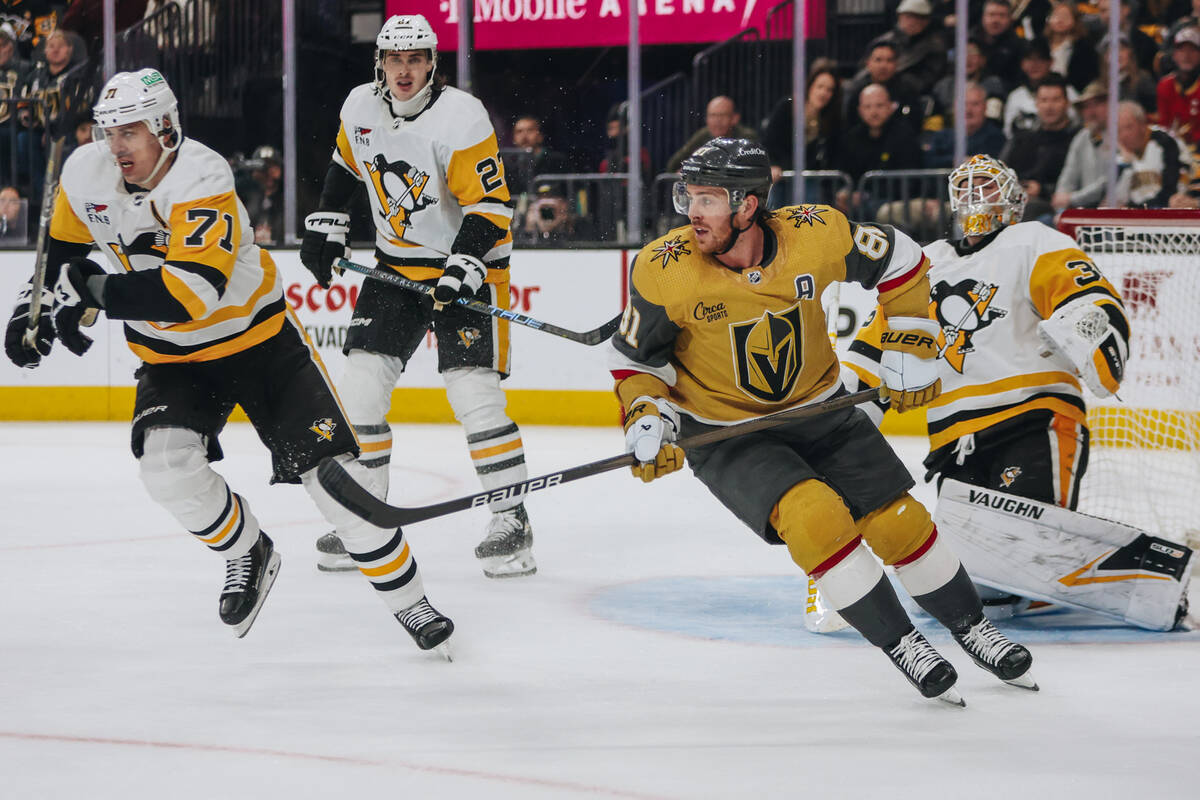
{"x":142,"y":295}
{"x":476,"y":236}
{"x":213,"y":275}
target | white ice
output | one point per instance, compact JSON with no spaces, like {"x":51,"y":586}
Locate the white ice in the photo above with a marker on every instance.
{"x":658,"y":653}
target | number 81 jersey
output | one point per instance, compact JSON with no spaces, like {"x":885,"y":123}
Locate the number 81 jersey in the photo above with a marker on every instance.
{"x":424,"y":174}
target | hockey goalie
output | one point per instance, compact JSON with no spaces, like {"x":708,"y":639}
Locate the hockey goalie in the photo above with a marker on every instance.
{"x":1026,"y":318}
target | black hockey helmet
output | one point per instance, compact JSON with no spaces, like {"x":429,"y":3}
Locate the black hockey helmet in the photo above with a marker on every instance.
{"x":738,"y":165}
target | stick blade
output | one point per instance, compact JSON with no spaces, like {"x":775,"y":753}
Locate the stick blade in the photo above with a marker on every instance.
{"x":344,"y":489}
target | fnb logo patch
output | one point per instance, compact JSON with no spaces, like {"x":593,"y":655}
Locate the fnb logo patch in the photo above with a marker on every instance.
{"x":362,"y":136}
{"x":95,"y":213}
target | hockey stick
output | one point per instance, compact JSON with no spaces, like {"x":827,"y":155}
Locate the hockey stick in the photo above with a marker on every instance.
{"x":592,"y":337}
{"x":335,"y":480}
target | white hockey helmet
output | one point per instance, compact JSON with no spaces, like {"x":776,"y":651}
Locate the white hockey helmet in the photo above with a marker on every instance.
{"x":985,"y":195}
{"x":142,"y":96}
{"x":403,"y":32}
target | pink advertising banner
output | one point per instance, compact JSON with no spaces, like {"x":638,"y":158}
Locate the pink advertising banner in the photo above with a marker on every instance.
{"x":528,"y":24}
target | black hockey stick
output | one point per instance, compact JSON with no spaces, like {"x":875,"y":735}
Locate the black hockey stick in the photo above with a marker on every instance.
{"x":592,"y":337}
{"x":350,"y":494}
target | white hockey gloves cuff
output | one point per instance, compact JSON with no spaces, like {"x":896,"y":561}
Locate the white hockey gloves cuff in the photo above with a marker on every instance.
{"x":1081,"y":336}
{"x":908,"y":365}
{"x":462,"y":277}
{"x":325,"y":236}
{"x":651,"y":427}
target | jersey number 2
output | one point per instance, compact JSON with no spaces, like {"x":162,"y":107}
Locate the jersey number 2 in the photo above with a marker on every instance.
{"x":208,"y":218}
{"x":489,"y":174}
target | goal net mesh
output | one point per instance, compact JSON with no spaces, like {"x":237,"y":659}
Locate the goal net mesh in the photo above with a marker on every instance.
{"x":1144,"y":467}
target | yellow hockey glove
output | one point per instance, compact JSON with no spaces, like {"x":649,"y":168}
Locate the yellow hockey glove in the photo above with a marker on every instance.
{"x":909,"y":362}
{"x":651,"y":427}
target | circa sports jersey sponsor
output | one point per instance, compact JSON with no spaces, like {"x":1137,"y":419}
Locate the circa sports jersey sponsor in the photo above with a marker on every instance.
{"x":962,"y":310}
{"x":766,"y":354}
{"x":707,"y":313}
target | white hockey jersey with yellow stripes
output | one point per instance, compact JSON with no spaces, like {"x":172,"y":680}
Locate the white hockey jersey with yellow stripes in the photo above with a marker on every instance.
{"x":195,"y":228}
{"x":988,"y":304}
{"x":425,"y":174}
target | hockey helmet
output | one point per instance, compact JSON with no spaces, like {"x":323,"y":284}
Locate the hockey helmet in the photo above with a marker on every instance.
{"x":985,"y":196}
{"x":404,"y":32}
{"x":142,"y":96}
{"x":739,"y":166}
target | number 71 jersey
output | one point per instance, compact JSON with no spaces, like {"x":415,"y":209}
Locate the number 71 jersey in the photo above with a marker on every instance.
{"x":424,"y":174}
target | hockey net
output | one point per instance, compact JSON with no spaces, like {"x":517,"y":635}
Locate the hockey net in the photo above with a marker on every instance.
{"x":1144,"y":466}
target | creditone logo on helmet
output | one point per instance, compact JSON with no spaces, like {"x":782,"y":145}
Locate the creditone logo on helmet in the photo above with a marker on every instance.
{"x":962,"y":310}
{"x":766,"y":354}
{"x":401,"y":190}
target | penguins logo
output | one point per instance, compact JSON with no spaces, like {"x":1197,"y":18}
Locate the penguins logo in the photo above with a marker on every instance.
{"x":1009,"y":475}
{"x":148,"y":248}
{"x":324,"y":428}
{"x":766,"y":354}
{"x":962,"y":310}
{"x":400,"y":188}
{"x":468,"y":336}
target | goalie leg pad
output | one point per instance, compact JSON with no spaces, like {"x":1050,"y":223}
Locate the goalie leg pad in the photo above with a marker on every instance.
{"x":492,"y":437}
{"x":382,"y":555}
{"x":1048,"y":553}
{"x":815,"y":525}
{"x":366,"y":394}
{"x":175,"y":471}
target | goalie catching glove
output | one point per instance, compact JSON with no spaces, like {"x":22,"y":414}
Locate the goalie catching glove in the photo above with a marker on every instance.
{"x":72,"y":299}
{"x":325,"y":237}
{"x":1081,"y":334}
{"x":462,"y":277}
{"x":651,"y":427}
{"x":908,"y":365}
{"x":14,"y":336}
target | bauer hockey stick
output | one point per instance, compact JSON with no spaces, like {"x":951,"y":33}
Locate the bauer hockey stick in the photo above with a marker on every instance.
{"x":335,"y":480}
{"x":592,"y":337}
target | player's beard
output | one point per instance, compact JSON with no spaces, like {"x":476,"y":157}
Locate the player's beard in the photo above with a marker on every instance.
{"x":714,"y":244}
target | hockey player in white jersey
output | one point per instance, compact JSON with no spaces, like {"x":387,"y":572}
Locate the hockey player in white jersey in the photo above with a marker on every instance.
{"x":203,"y":309}
{"x":435,"y":185}
{"x":1026,"y":317}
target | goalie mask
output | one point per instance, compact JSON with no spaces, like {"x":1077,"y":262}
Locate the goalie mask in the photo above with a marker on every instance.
{"x":400,"y":33}
{"x":738,"y":166}
{"x":142,"y":96}
{"x":985,"y":196}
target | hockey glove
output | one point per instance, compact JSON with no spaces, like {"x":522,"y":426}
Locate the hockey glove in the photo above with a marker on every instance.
{"x":651,"y":427}
{"x":325,"y":237}
{"x":14,"y":336}
{"x":462,"y":277}
{"x":909,"y":362}
{"x":72,"y":299}
{"x":1081,"y":336}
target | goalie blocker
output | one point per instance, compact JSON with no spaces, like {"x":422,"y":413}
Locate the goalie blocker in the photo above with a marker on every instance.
{"x":1049,"y":553}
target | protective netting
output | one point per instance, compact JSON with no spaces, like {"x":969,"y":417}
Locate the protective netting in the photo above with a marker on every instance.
{"x":1144,"y":468}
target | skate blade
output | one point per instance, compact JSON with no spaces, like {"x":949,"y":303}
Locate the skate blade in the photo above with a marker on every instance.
{"x":824,"y":621}
{"x":517,"y":565}
{"x":1025,"y":681}
{"x":243,"y":627}
{"x":336,"y":564}
{"x":952,"y":697}
{"x":443,"y":650}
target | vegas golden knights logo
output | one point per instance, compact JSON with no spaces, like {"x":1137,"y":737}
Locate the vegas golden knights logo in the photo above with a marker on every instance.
{"x":401,"y":190}
{"x":961,"y":310}
{"x":767,"y":354}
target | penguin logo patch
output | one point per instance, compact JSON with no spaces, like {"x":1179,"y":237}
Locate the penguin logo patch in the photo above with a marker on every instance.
{"x":400,"y":188}
{"x":1009,"y":475}
{"x":468,"y":336}
{"x":962,"y":310}
{"x":324,"y":429}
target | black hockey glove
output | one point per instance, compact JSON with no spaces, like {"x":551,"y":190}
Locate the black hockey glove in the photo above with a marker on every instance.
{"x":325,"y":237}
{"x":462,"y":277}
{"x":72,"y":299}
{"x":19,"y":353}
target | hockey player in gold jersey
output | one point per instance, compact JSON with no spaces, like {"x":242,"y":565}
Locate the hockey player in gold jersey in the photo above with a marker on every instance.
{"x":428,"y":158}
{"x":724,"y":323}
{"x":203,"y":309}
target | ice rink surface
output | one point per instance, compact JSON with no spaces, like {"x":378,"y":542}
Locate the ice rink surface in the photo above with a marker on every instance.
{"x":658,"y":653}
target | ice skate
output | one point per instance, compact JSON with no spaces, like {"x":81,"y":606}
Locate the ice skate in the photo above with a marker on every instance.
{"x":818,"y":616}
{"x":332,"y":555}
{"x":248,"y":580}
{"x":925,"y":668}
{"x":429,"y":628}
{"x":506,"y":549}
{"x":992,"y":650}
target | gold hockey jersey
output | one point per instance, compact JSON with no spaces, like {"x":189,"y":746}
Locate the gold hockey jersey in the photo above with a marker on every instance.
{"x":424,"y":175}
{"x":194,"y":228}
{"x":731,"y":345}
{"x":988,"y":303}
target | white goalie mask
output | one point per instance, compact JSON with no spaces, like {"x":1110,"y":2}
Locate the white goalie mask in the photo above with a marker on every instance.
{"x":405,"y":32}
{"x":985,"y":196}
{"x":142,"y":96}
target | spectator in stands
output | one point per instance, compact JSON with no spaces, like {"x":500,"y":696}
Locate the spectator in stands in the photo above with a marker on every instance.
{"x":1144,"y":47}
{"x":13,"y":72}
{"x":260,"y":186}
{"x":1084,"y":177}
{"x":13,"y":217}
{"x":722,"y":119}
{"x":920,"y":50}
{"x":32,"y":21}
{"x":1179,"y":91}
{"x":1153,"y":162}
{"x":984,"y":136}
{"x":616,"y":153}
{"x":1037,"y":154}
{"x":1133,"y":82}
{"x":880,"y":67}
{"x":943,"y":92}
{"x":1073,"y":56}
{"x":60,"y":90}
{"x":822,"y":122}
{"x":1020,"y":109}
{"x":1182,"y":14}
{"x":550,"y":221}
{"x":1001,"y":45}
{"x":881,"y":140}
{"x":536,"y":158}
